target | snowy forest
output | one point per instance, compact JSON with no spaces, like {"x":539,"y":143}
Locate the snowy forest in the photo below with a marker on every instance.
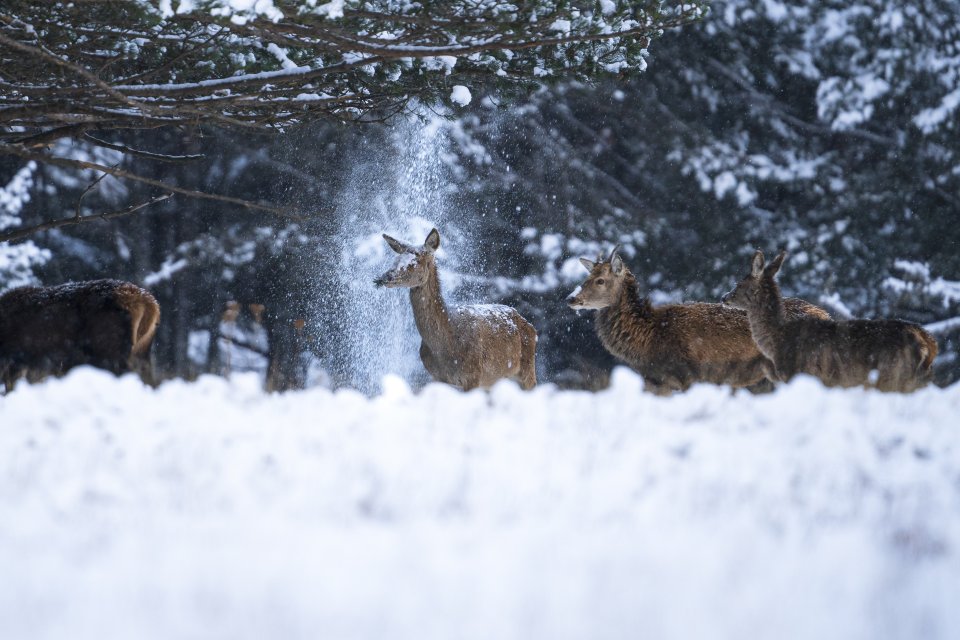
{"x":317,"y":444}
{"x":828,"y":129}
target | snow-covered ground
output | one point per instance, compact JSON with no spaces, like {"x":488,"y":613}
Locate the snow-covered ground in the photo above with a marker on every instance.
{"x":213,"y":510}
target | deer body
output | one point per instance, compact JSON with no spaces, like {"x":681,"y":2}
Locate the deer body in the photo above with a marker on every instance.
{"x":48,"y":330}
{"x":889,"y":355}
{"x":466,"y":346}
{"x":673,"y":346}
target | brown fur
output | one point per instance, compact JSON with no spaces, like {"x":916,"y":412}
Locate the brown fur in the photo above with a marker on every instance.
{"x":48,"y":330}
{"x":930,"y":347}
{"x":467,"y":346}
{"x":144,"y":315}
{"x":676,"y":345}
{"x":889,"y":355}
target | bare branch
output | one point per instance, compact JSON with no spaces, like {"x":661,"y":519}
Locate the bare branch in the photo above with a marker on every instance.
{"x":142,"y":154}
{"x":120,"y":173}
{"x":44,"y":138}
{"x":19,"y":234}
{"x":89,"y":188}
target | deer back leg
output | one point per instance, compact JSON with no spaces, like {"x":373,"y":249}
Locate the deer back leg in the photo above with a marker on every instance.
{"x":527,"y":376}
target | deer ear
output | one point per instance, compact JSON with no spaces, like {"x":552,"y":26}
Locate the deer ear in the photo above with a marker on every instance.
{"x":433,"y":240}
{"x":775,"y":264}
{"x":756,"y":265}
{"x":395,"y":244}
{"x":616,"y":264}
{"x":588,"y":264}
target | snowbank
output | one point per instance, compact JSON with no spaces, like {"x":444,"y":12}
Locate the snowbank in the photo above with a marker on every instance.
{"x":212,"y":510}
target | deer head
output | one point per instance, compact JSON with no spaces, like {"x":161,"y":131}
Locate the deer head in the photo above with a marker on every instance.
{"x":746,"y":293}
{"x":413,"y":264}
{"x":602,"y":286}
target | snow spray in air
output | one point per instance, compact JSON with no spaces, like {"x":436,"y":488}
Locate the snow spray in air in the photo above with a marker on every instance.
{"x":407,"y":197}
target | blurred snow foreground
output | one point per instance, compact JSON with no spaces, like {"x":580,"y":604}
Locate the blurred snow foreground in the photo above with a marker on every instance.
{"x":213,"y":510}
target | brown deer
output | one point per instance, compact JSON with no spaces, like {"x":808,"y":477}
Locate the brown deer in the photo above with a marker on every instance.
{"x":889,"y":355}
{"x":675,"y":345}
{"x":48,"y":330}
{"x":465,"y":346}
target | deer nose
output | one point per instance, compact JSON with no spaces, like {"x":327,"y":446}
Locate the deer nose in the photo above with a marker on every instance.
{"x":573,"y":300}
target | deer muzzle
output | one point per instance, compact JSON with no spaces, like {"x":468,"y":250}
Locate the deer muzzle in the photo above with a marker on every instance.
{"x":574,"y":301}
{"x":389,"y":279}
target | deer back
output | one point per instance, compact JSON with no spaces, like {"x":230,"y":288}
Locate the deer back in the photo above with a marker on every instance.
{"x":892,"y":355}
{"x":48,"y":330}
{"x":491,"y":341}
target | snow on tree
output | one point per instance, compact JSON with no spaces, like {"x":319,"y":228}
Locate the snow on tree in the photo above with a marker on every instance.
{"x":73,"y":68}
{"x":81,"y":70}
{"x":822,"y":127}
{"x":18,"y":261}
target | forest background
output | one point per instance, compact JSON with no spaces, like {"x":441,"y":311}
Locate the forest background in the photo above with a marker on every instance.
{"x":827,"y":128}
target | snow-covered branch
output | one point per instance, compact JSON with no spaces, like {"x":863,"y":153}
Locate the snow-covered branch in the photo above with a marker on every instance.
{"x":68,"y":69}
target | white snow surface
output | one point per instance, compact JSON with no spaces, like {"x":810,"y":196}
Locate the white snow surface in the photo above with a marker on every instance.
{"x":213,"y":510}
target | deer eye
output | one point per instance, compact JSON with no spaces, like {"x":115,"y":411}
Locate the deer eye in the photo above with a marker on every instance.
{"x":599,"y":280}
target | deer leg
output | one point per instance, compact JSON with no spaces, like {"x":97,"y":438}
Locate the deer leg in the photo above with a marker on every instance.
{"x":770,"y":371}
{"x":529,"y":379}
{"x":657,"y":387}
{"x":898,"y":374}
{"x":528,"y":359}
{"x":142,"y":365}
{"x":764,"y":386}
{"x":678,"y":383}
{"x":9,"y":374}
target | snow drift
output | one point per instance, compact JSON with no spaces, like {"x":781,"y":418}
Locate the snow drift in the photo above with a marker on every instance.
{"x":213,"y":510}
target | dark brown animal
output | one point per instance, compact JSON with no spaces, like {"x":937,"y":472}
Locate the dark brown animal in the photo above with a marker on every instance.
{"x":466,"y":346}
{"x":889,"y":355}
{"x":48,"y":330}
{"x":675,"y":345}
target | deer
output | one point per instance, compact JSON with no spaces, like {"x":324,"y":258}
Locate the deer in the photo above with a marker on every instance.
{"x":885,"y":354}
{"x":467,"y":346}
{"x":44,"y":331}
{"x":676,"y":345}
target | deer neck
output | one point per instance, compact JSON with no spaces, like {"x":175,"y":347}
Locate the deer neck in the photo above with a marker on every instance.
{"x":431,"y":314}
{"x":767,"y":316}
{"x":630,"y":313}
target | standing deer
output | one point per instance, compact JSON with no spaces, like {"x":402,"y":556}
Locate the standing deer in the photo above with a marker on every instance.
{"x":466,"y":346}
{"x":890,"y":355}
{"x":48,"y":330}
{"x":674,"y":345}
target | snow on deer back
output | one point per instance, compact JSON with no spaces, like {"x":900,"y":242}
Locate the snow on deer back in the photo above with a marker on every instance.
{"x":467,"y":346}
